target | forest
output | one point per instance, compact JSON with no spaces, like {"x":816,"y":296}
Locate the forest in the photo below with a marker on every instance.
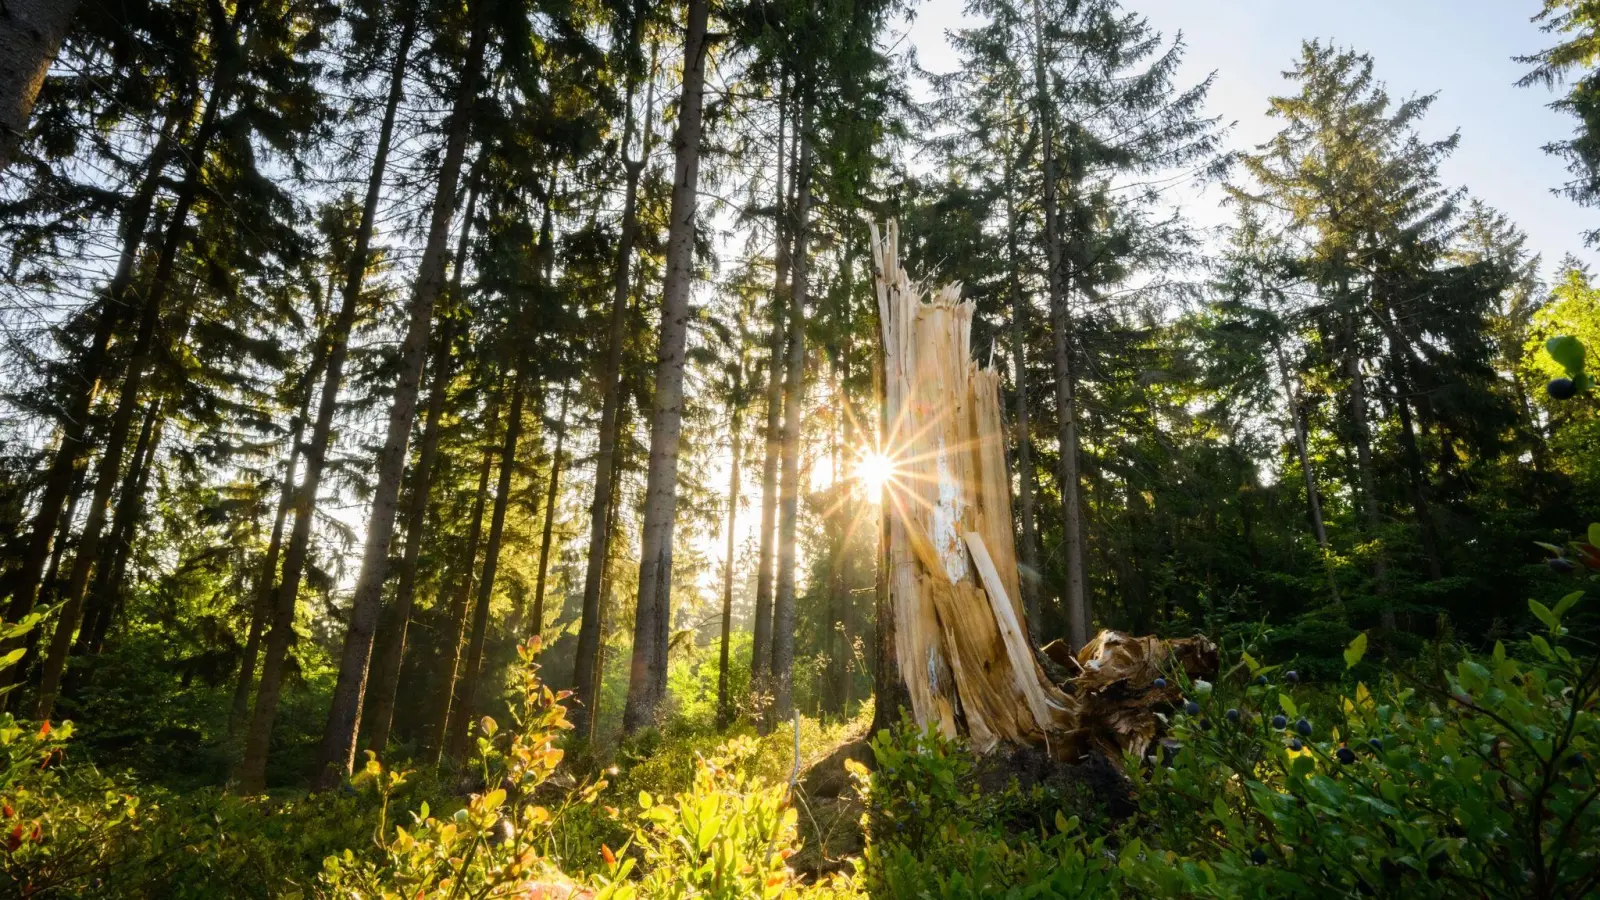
{"x":482,"y":449}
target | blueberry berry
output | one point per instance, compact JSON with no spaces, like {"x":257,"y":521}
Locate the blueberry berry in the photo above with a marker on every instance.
{"x":1279,"y":721}
{"x":1258,"y":856}
{"x":1376,"y":745}
{"x":1292,"y":676}
{"x":1560,"y":565}
{"x":1159,"y":683}
{"x":1295,"y":745}
{"x":1261,"y":679}
{"x":1345,"y":755}
{"x":1562,"y":389}
{"x":1303,"y":727}
{"x":1192,"y":708}
{"x":1232,"y":715}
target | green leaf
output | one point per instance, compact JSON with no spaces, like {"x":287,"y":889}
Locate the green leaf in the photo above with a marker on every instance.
{"x":1356,"y":650}
{"x":1594,"y":534}
{"x":1288,"y":705}
{"x":1543,"y":614}
{"x":1541,"y":645}
{"x":1551,"y":547}
{"x":1567,"y":351}
{"x":1566,"y":603}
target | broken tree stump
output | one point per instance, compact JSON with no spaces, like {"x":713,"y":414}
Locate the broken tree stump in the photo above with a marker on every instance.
{"x":961,"y":636}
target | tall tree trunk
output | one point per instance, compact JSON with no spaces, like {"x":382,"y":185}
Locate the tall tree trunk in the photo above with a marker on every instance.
{"x":459,"y":729}
{"x":735,"y":447}
{"x":31,"y":32}
{"x":65,"y":466}
{"x":794,"y":392}
{"x":344,"y":718}
{"x":456,"y":630}
{"x":552,"y":492}
{"x":1061,"y":333}
{"x":1025,"y":472}
{"x":761,"y":646}
{"x":1313,"y":497}
{"x":252,"y":770}
{"x":388,"y":660}
{"x":119,"y":584}
{"x":267,"y":581}
{"x":647,"y":682}
{"x":591,"y":724}
{"x":586,"y":661}
{"x":139,"y":359}
{"x":890,"y":696}
{"x":102,"y":592}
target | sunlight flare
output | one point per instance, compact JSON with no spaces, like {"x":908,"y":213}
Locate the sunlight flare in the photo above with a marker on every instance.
{"x":874,"y":470}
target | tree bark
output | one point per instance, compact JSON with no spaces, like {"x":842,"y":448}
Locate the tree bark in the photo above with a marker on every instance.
{"x":252,"y":770}
{"x":735,"y":446}
{"x":648,"y":678}
{"x":794,"y":392}
{"x":344,"y":718}
{"x":1364,"y":464}
{"x":459,"y":729}
{"x":761,"y":646}
{"x":103,"y":590}
{"x":553,"y":490}
{"x":31,"y":32}
{"x":388,"y":660}
{"x":1025,"y":472}
{"x":585,"y":662}
{"x":119,"y":584}
{"x":457,"y":628}
{"x":1061,"y":334}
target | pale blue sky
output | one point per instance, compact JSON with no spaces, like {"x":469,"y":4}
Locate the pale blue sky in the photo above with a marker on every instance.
{"x":1462,"y":49}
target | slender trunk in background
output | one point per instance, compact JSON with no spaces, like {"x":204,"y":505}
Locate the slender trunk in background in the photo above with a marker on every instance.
{"x":267,"y":581}
{"x":647,"y":681}
{"x":344,"y":718}
{"x":585,"y":665}
{"x":456,"y":629}
{"x":65,"y":465}
{"x":553,"y":491}
{"x":102,"y":591}
{"x":1364,"y":464}
{"x":1025,"y":473}
{"x":1313,"y":498}
{"x":119,"y":584}
{"x":735,"y":447}
{"x":1404,"y":384}
{"x":794,"y":395}
{"x":387,"y":662}
{"x":607,"y":594}
{"x":761,"y":647}
{"x":139,"y":359}
{"x":252,"y":771}
{"x":889,"y":692}
{"x":1061,"y":334}
{"x":31,"y":32}
{"x":459,"y":728}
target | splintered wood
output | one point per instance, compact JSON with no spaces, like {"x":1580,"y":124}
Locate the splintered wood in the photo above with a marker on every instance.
{"x":961,"y":638}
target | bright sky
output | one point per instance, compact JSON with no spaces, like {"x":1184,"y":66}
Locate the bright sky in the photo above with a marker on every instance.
{"x":1462,"y":49}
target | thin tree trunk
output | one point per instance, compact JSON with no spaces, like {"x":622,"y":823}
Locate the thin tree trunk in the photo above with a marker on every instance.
{"x":31,"y":32}
{"x":1364,"y":464}
{"x":344,"y":718}
{"x":251,"y":774}
{"x":119,"y":584}
{"x":1313,"y":498}
{"x":101,"y":596}
{"x":459,"y":729}
{"x":890,"y":696}
{"x":735,"y":446}
{"x":457,"y":628}
{"x":140,"y":356}
{"x":597,"y":674}
{"x":794,"y":392}
{"x":391,"y":656}
{"x":1025,"y":472}
{"x":65,"y":468}
{"x":585,"y":663}
{"x":1061,"y":332}
{"x":761,"y":646}
{"x":647,"y":682}
{"x":550,"y":516}
{"x":261,"y":609}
